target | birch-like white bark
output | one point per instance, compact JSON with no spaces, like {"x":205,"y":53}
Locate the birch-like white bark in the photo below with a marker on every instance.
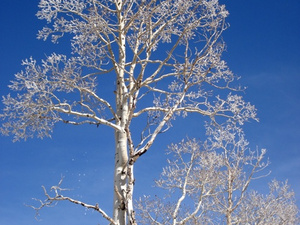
{"x":121,"y":154}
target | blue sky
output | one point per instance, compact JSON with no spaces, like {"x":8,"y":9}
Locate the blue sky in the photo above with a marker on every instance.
{"x":263,"y":47}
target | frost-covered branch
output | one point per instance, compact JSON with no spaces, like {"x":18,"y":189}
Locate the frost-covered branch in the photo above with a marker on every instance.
{"x":53,"y":200}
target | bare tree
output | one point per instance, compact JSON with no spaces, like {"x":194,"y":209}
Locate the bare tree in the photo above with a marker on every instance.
{"x":241,"y":166}
{"x":163,"y":59}
{"x":208,"y":183}
{"x":190,"y":181}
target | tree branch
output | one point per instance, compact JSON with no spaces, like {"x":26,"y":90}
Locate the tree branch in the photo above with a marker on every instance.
{"x":59,"y":197}
{"x":87,"y":115}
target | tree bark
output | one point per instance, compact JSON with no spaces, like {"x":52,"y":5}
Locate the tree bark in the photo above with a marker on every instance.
{"x":121,"y":154}
{"x":120,"y":178}
{"x":229,"y":198}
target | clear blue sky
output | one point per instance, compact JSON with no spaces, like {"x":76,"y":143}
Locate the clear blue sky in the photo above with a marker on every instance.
{"x":263,"y":48}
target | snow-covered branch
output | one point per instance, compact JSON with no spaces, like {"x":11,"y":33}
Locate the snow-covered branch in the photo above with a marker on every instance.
{"x":53,"y":200}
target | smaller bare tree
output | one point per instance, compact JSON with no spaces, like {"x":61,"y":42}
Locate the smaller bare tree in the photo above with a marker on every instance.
{"x":241,"y":165}
{"x":208,"y":184}
{"x":191,"y":177}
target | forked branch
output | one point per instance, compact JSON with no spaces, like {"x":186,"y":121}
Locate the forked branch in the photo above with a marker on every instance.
{"x":52,"y":201}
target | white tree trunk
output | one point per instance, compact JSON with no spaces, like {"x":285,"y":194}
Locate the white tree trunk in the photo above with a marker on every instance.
{"x":120,"y":178}
{"x":121,"y":154}
{"x":229,"y":198}
{"x":130,"y":211}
